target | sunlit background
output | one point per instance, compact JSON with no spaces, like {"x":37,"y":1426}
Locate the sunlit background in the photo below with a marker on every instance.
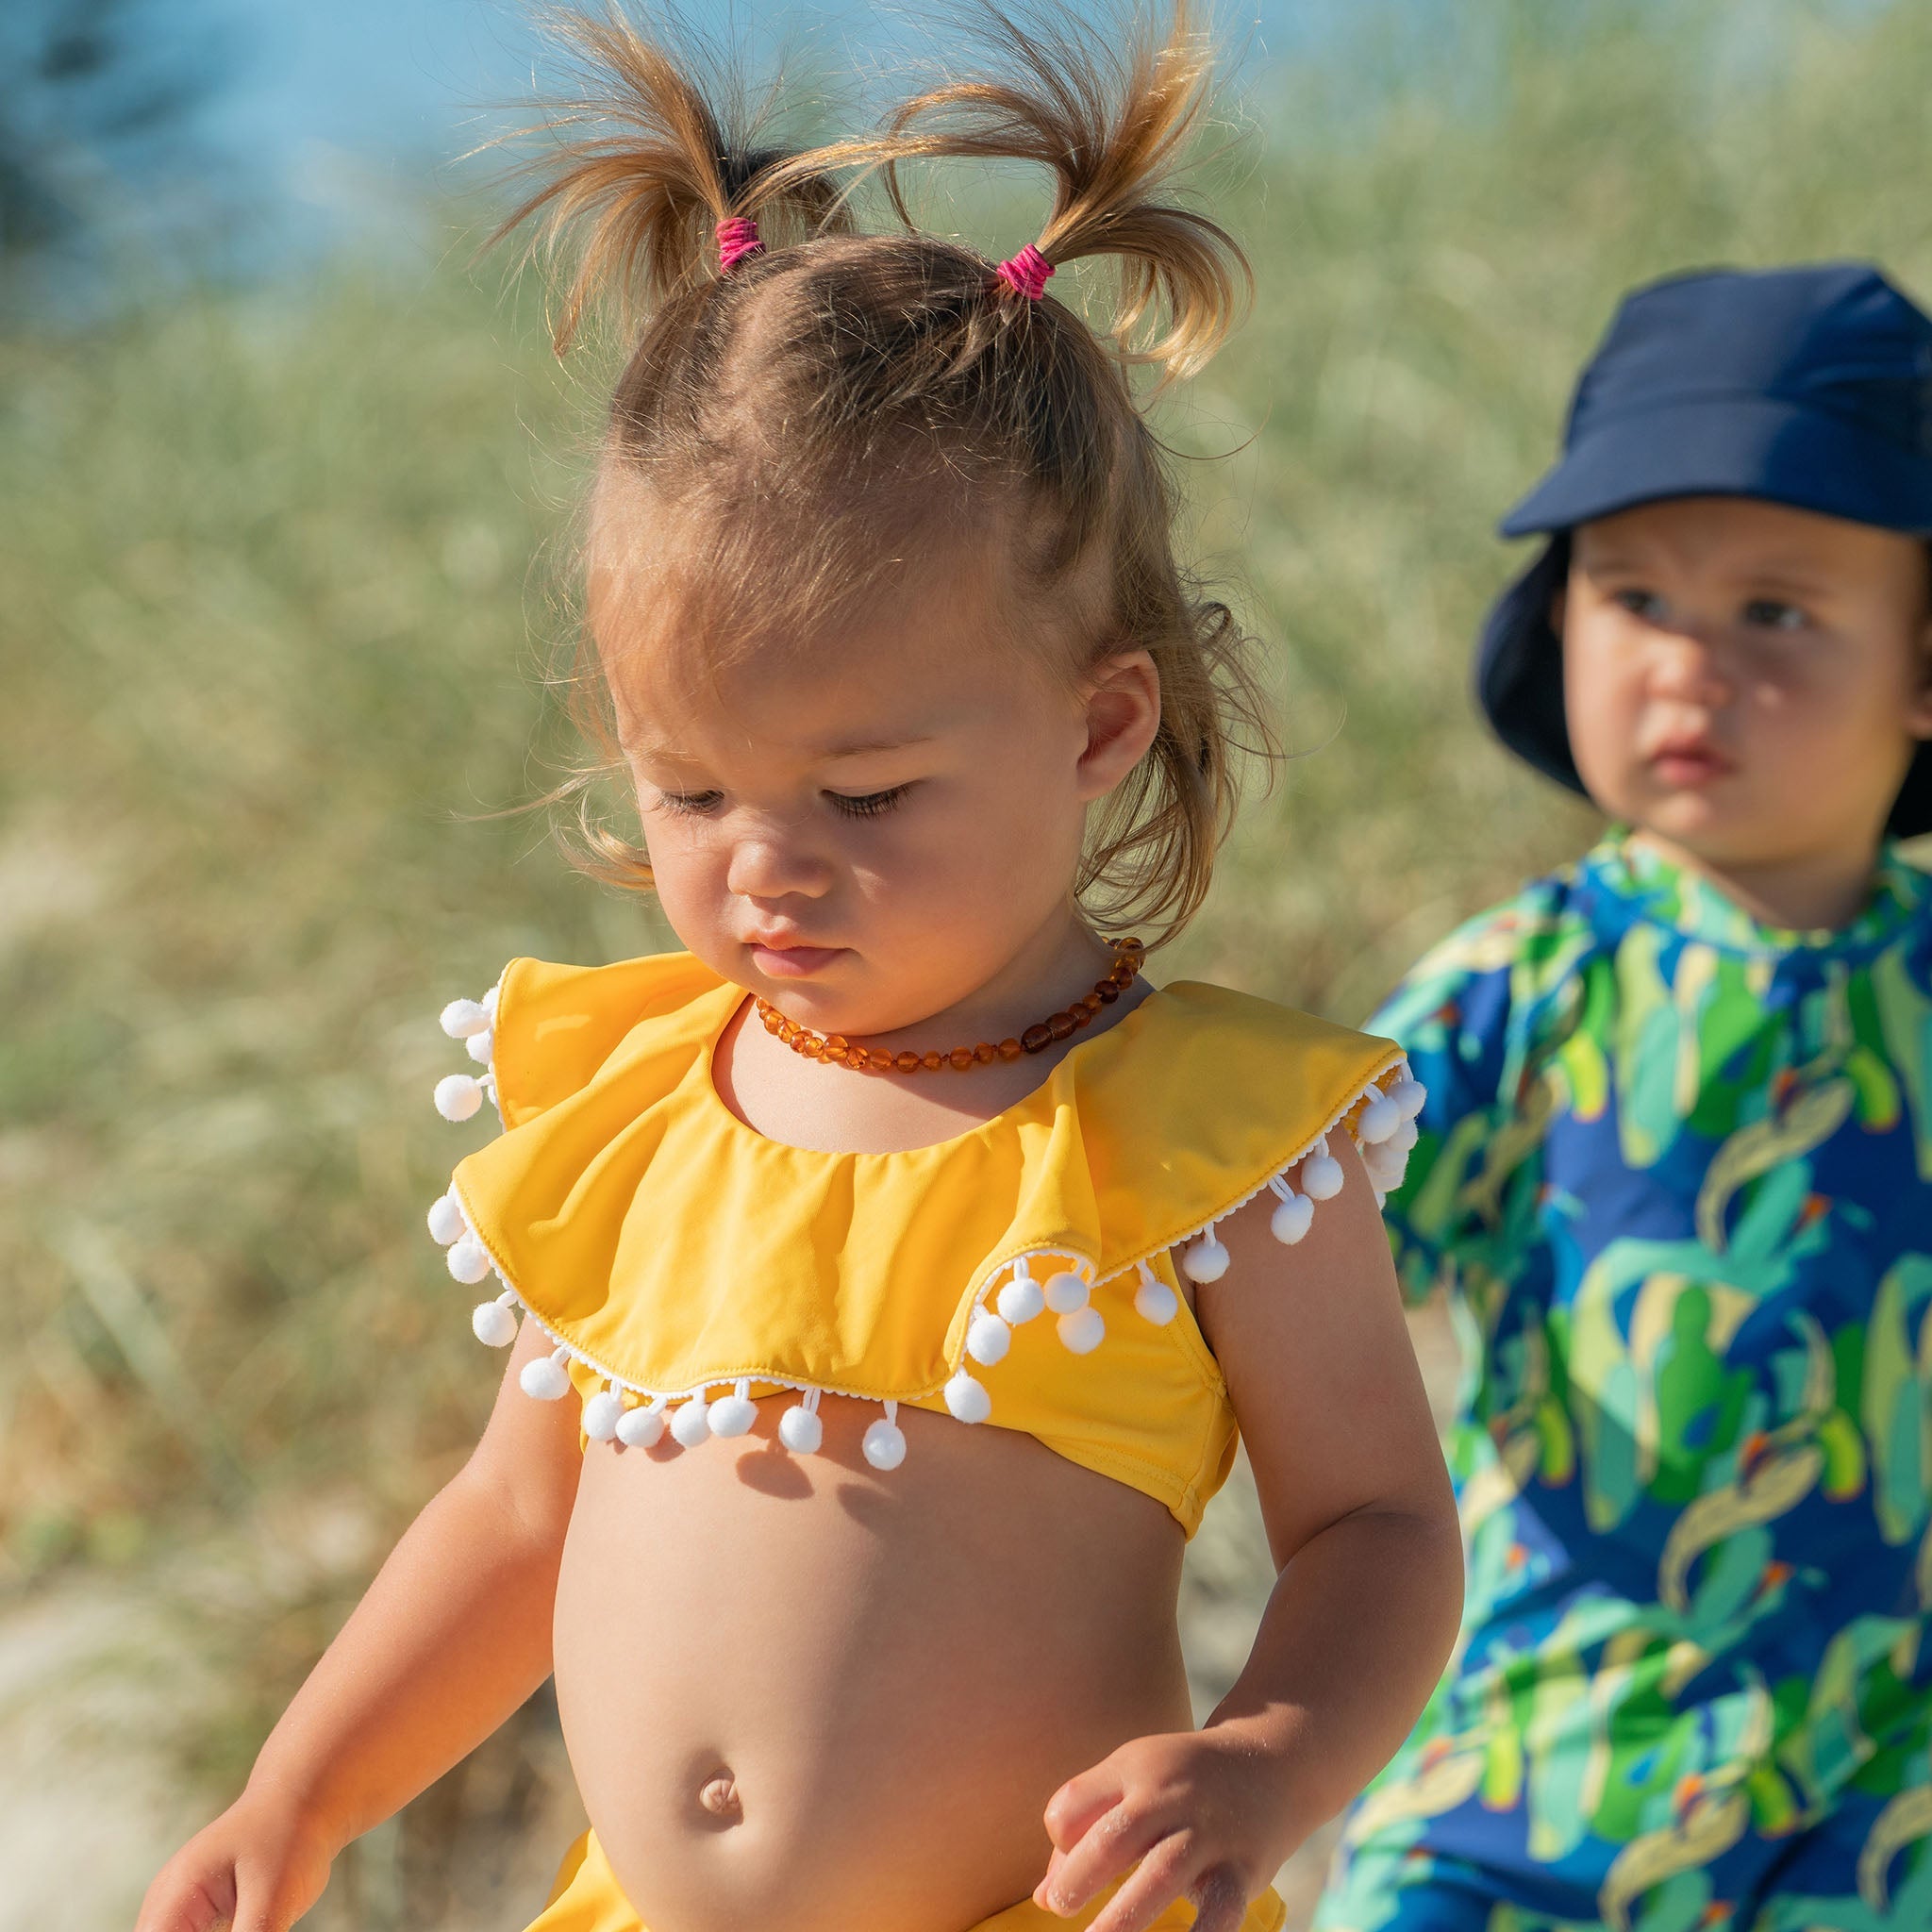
{"x":285,"y":484}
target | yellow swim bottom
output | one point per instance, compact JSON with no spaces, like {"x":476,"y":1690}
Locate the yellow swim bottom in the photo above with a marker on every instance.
{"x":587,"y":1898}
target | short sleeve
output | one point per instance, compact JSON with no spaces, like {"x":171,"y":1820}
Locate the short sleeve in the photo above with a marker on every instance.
{"x":1451,"y":1015}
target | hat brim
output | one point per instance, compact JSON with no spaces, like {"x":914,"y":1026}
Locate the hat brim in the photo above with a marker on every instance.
{"x":1760,"y":446}
{"x":1519,"y":684}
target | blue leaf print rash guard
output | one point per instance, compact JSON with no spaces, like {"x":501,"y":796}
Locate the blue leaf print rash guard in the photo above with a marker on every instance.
{"x":1678,"y":1169}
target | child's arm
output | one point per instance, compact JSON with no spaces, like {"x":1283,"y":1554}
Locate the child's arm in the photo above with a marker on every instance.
{"x":452,"y":1636}
{"x":1363,"y":1614}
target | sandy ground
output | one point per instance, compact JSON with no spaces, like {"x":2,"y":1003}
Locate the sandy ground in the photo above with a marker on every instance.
{"x":102,"y":1676}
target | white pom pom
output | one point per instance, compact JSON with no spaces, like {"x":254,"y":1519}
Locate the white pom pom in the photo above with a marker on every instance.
{"x":801,"y":1431}
{"x":1204,"y":1259}
{"x":734,"y":1415}
{"x":602,"y":1414}
{"x":494,"y":1323}
{"x":446,"y":1222}
{"x":1380,"y":1118}
{"x":1021,"y":1299}
{"x":988,"y":1338}
{"x":1321,"y":1177}
{"x":1409,"y":1096}
{"x":461,"y":1018}
{"x":1066,"y":1292}
{"x":1291,"y":1220}
{"x":1385,"y":1167}
{"x":457,"y":1096}
{"x":469,"y":1260}
{"x":639,"y":1428}
{"x":1403,"y":1138}
{"x":690,"y":1422}
{"x":488,"y":1004}
{"x":1155,"y":1301}
{"x":1082,"y":1330}
{"x":479,"y":1046}
{"x":968,"y":1399}
{"x":884,"y":1445}
{"x":546,"y":1378}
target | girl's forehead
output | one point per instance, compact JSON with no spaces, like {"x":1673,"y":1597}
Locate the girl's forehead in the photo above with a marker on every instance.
{"x":1746,"y":533}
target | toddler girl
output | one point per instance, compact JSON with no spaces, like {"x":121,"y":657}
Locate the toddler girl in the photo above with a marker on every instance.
{"x":1678,"y":1157}
{"x":895,"y":1266}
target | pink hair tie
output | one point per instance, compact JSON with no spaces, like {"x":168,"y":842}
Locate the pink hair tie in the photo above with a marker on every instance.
{"x":1027,"y":273}
{"x":738,"y":237}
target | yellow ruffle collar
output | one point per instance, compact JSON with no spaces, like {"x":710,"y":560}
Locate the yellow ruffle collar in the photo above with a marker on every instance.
{"x":684,"y":1263}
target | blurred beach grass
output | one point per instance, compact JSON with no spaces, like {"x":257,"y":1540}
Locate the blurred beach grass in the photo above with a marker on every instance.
{"x":280,"y":572}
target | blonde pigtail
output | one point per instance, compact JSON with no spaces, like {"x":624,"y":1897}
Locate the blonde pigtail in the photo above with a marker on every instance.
{"x":643,"y":165}
{"x":1112,"y":125}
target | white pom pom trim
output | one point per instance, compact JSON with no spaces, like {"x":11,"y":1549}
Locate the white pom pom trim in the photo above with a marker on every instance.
{"x":457,"y":1096}
{"x":602,"y":1414}
{"x":469,"y":1260}
{"x":479,"y":1046}
{"x":463,"y":1018}
{"x":1021,"y":1298}
{"x":1380,"y":1118}
{"x":546,"y":1378}
{"x":690,"y":1422}
{"x":641,"y":1428}
{"x":1322,"y":1174}
{"x":1066,"y":1292}
{"x":1154,"y":1301}
{"x":494,"y":1323}
{"x":735,"y":1414}
{"x":884,"y":1445}
{"x":988,"y":1338}
{"x":1206,"y":1260}
{"x":446,"y":1222}
{"x":967,"y":1399}
{"x":800,"y":1428}
{"x":1082,"y":1331}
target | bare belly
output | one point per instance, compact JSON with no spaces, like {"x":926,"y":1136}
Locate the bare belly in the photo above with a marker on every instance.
{"x":798,"y":1692}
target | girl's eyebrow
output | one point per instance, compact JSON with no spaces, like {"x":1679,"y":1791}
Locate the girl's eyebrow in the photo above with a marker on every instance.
{"x":871,"y":745}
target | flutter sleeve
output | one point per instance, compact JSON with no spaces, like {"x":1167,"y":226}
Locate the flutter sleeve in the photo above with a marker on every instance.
{"x":1451,"y":1014}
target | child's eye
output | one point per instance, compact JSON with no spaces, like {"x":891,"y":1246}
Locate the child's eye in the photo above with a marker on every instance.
{"x":1639,"y":602}
{"x":1774,"y":613}
{"x":867,"y":804}
{"x":691,"y":804}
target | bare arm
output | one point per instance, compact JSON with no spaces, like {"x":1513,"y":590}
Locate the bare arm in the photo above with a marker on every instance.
{"x":1364,"y":1611}
{"x":453,"y":1635}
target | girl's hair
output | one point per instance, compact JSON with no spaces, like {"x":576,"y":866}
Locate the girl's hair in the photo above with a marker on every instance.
{"x":835,"y":397}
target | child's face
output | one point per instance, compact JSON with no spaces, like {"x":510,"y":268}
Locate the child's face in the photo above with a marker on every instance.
{"x":871,"y":824}
{"x":1745,"y":680}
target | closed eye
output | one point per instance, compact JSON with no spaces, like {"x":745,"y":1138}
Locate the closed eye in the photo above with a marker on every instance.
{"x":691,"y":804}
{"x":867,"y":804}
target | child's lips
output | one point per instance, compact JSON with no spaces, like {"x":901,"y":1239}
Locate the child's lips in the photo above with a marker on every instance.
{"x":789,"y":960}
{"x":1688,"y":764}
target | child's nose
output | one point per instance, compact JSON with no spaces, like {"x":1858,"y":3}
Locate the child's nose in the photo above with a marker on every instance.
{"x":1687,"y":665}
{"x":771,"y":864}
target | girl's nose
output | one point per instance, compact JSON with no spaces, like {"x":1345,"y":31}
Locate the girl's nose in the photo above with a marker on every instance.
{"x":773,"y":864}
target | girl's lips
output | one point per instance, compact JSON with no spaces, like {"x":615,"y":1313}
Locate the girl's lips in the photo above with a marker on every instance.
{"x":793,"y":963}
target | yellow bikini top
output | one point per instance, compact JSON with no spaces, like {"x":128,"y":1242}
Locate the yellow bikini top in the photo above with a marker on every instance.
{"x":684,"y":1265}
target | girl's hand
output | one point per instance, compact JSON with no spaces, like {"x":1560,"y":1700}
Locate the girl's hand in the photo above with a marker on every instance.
{"x":258,"y":1868}
{"x":1191,"y":1810}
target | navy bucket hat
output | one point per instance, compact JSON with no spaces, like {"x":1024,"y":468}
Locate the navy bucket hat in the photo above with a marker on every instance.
{"x":1810,"y":387}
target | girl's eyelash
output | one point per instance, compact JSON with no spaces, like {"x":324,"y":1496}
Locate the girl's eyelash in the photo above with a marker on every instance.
{"x":867,"y":804}
{"x":689,"y":804}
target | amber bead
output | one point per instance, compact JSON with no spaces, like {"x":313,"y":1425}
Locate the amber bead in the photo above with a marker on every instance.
{"x":961,"y":1058}
{"x":1134,"y":947}
{"x":1082,"y":1014}
{"x":856,"y":1058}
{"x":932,"y":1062}
{"x":1061,"y":1027}
{"x":837,"y":1041}
{"x":773,"y":1018}
{"x":986,"y":1051}
{"x":881,"y":1060}
{"x":1090,"y":1003}
{"x":907,"y":1063}
{"x":1011,"y":1049}
{"x":1037,"y":1038}
{"x":1107,"y":993}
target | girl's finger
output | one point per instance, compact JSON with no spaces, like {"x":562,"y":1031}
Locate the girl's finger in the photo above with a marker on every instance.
{"x":1163,"y":1876}
{"x":1219,"y":1899}
{"x":1109,"y":1848}
{"x":1072,"y":1809}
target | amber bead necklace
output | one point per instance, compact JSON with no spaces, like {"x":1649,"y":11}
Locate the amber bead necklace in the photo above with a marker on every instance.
{"x":834,"y":1049}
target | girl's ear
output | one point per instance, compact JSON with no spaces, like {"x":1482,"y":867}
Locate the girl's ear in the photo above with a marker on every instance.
{"x":1120,"y":698}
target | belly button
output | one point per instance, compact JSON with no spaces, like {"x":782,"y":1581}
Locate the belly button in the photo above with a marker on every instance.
{"x":718,"y":1796}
